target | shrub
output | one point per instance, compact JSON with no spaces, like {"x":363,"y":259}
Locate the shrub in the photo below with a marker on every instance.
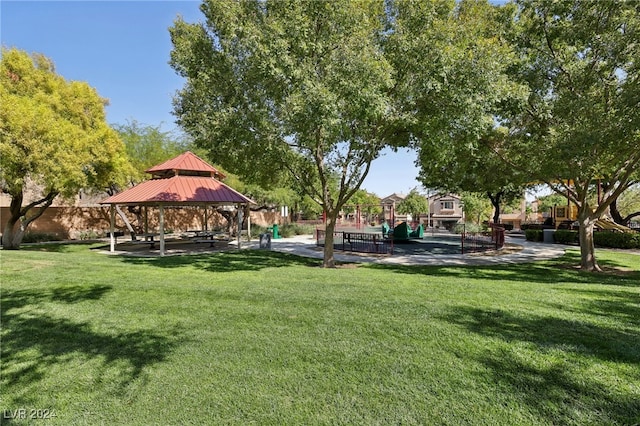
{"x":256,"y":230}
{"x":565,"y":236}
{"x":39,"y":237}
{"x":469,"y":227}
{"x":617,"y":240}
{"x":533,"y":234}
{"x":286,"y":231}
{"x":89,"y":235}
{"x":291,"y":229}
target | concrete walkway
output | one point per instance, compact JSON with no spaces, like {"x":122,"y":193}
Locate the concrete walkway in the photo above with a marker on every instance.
{"x":305,"y":245}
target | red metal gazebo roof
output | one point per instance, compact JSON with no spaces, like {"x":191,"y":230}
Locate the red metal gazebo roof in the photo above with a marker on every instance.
{"x":179,"y":190}
{"x":187,"y":162}
{"x":186,"y":179}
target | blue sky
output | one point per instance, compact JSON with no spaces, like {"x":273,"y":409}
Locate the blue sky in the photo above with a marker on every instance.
{"x":122,"y":48}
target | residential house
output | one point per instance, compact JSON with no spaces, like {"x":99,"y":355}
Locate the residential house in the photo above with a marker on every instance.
{"x":389,"y":205}
{"x":515,"y":218}
{"x":445,"y":210}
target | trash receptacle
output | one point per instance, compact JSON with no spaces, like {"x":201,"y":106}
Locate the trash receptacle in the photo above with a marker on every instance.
{"x":547,"y":235}
{"x":276,"y":235}
{"x":265,"y":241}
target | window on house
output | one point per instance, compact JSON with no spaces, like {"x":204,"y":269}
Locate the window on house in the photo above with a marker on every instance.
{"x":446,"y":205}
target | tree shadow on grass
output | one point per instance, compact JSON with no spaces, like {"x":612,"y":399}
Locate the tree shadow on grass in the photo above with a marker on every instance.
{"x":226,"y":261}
{"x":624,"y":306}
{"x":559,"y":394}
{"x":552,"y":381}
{"x":561,"y":270}
{"x":35,"y":343}
{"x":56,"y":247}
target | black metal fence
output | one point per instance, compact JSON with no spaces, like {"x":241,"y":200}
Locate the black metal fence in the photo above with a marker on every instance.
{"x":362,"y":242}
{"x":478,"y":241}
{"x":358,"y":242}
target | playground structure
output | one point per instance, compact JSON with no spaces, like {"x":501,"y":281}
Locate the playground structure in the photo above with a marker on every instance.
{"x":404,"y":232}
{"x":406,"y":240}
{"x":361,"y":216}
{"x":374,"y":229}
{"x":565,"y":217}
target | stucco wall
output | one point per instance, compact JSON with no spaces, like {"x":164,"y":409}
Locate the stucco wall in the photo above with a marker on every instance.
{"x":70,"y":222}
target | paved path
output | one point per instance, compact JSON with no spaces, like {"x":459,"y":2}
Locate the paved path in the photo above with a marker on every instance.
{"x":304,"y":245}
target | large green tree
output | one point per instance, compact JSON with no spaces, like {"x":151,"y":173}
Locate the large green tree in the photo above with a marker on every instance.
{"x":581,"y":122}
{"x":370,"y":204}
{"x":470,"y":165}
{"x":453,"y":85}
{"x":53,"y":139}
{"x":477,"y":207}
{"x":290,"y":88}
{"x":148,"y":145}
{"x":414,"y":204}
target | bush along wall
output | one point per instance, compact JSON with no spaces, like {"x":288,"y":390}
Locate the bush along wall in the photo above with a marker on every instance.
{"x":604,"y":239}
{"x":533,"y":235}
{"x":617,"y":240}
{"x":40,"y":237}
{"x":565,"y":236}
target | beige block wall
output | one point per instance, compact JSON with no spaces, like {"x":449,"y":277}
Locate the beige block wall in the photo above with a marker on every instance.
{"x":70,"y":222}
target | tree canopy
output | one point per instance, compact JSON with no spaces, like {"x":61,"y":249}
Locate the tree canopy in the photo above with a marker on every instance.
{"x":477,"y":207}
{"x":454,"y":86}
{"x":413,"y":204}
{"x":290,"y":88}
{"x":148,"y":145}
{"x":580,"y":124}
{"x":53,"y":137}
{"x":492,"y":97}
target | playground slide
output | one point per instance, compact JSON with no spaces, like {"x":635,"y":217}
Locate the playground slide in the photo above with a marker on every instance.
{"x":403,"y":232}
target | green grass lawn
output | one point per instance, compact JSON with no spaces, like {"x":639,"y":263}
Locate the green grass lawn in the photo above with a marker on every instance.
{"x":266,"y":338}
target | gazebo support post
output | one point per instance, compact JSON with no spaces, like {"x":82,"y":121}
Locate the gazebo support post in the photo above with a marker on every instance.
{"x":112,"y":225}
{"x":161,"y":230}
{"x":247,"y":212}
{"x":146,"y":220}
{"x":239,"y":224}
{"x":206,"y":218}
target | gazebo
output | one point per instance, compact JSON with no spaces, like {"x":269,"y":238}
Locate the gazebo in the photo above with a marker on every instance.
{"x":185,"y":180}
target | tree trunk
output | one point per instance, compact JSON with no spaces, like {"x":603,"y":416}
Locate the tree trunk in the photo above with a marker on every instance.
{"x":495,"y":202}
{"x":615,"y":213}
{"x":587,"y":247}
{"x":617,"y":216}
{"x":230,"y":217}
{"x":330,"y":226}
{"x":11,"y":238}
{"x":18,"y":221}
{"x":126,"y":222}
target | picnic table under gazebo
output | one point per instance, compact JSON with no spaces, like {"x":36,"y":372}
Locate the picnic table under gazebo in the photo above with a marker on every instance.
{"x":185,"y":180}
